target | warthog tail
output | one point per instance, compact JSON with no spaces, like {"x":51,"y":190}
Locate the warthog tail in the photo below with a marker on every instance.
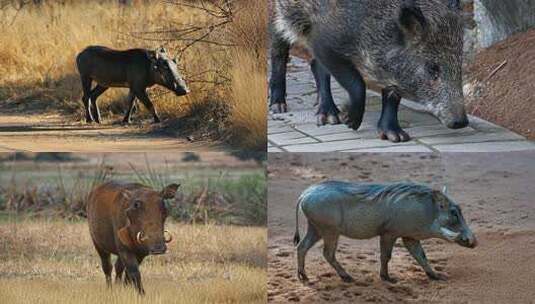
{"x":297,"y":238}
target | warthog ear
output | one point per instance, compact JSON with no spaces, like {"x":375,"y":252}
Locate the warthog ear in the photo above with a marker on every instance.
{"x":169,"y":191}
{"x":412,"y":21}
{"x":124,"y":238}
{"x":440,"y":200}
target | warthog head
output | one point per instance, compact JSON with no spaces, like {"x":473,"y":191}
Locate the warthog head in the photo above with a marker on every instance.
{"x":430,"y":50}
{"x":165,"y":72}
{"x":146,"y":213}
{"x":451,"y":222}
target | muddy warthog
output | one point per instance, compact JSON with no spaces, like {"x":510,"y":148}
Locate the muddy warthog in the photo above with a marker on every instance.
{"x":136,"y":69}
{"x":127,"y":220}
{"x":409,"y":211}
{"x":409,"y":48}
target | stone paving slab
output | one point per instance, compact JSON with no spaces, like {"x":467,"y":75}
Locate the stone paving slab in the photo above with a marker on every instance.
{"x":296,"y":131}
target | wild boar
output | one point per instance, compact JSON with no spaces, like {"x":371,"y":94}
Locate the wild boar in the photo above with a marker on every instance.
{"x":409,"y":48}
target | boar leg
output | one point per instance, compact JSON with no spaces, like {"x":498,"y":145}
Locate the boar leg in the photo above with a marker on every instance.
{"x":417,"y":252}
{"x":387,"y":244}
{"x":311,"y":238}
{"x":330,"y":243}
{"x":388,"y":125}
{"x":350,"y":79}
{"x":95,"y":93}
{"x":131,"y":101}
{"x":327,"y":110}
{"x":280,"y":52}
{"x":86,"y":86}
{"x":107,"y":268}
{"x":132,"y":270}
{"x":144,"y":98}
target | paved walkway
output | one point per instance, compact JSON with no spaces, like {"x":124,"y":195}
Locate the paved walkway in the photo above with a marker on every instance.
{"x":296,"y":131}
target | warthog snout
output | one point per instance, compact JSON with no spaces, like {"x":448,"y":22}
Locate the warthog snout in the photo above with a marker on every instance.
{"x":467,"y":239}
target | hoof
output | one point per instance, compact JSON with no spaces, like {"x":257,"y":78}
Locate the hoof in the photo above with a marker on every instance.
{"x":347,"y":279}
{"x":331,"y":119}
{"x":355,"y":125}
{"x":389,"y":279}
{"x":394,"y":136}
{"x":279,"y":107}
{"x":437,"y":276}
{"x":302,"y":277}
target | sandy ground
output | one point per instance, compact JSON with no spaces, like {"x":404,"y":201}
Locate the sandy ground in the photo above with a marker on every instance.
{"x":51,"y":133}
{"x":495,"y":192}
{"x":505,"y":97}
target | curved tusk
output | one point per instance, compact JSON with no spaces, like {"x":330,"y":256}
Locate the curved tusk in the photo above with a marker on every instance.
{"x":449,"y":235}
{"x":167,"y":240}
{"x":139,"y":237}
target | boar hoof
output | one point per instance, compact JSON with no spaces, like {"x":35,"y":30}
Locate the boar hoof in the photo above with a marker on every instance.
{"x":394,"y":135}
{"x":279,"y":107}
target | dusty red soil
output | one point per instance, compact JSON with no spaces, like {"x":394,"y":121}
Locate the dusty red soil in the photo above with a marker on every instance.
{"x":495,"y":195}
{"x":507,"y":98}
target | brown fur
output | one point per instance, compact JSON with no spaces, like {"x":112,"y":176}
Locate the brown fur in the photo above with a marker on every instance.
{"x":116,"y":212}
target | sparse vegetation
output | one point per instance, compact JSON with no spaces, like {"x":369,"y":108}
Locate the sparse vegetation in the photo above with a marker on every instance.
{"x":53,"y":261}
{"x":221,"y":51}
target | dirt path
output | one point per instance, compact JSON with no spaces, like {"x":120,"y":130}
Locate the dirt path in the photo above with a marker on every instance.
{"x":51,"y":133}
{"x":494,"y":191}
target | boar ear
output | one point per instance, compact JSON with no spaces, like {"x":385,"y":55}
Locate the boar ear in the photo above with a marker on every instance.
{"x":412,"y":21}
{"x":124,"y":237}
{"x":454,"y":4}
{"x":169,"y":191}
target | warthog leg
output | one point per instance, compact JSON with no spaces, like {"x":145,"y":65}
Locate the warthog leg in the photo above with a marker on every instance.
{"x":280,"y":52}
{"x":107,"y":268}
{"x":327,"y":110}
{"x":95,"y":93}
{"x":119,"y":268}
{"x":387,"y":244}
{"x":132,"y":269}
{"x":330,"y":242}
{"x":86,"y":86}
{"x":131,"y":101}
{"x":417,"y":252}
{"x":144,"y":98}
{"x":312,"y":237}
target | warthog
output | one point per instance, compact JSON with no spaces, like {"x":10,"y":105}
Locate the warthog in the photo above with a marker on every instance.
{"x":409,"y":48}
{"x":136,"y":69}
{"x":409,"y":211}
{"x":127,"y":220}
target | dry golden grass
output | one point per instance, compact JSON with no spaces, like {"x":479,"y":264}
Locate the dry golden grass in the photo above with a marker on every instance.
{"x":38,"y":73}
{"x":55,"y":262}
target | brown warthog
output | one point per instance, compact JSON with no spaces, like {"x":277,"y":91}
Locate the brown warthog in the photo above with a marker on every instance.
{"x":127,"y":219}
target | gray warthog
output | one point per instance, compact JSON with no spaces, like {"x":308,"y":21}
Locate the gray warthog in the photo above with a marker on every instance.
{"x":410,"y":48}
{"x":136,"y":69}
{"x":127,"y":220}
{"x":409,"y":211}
